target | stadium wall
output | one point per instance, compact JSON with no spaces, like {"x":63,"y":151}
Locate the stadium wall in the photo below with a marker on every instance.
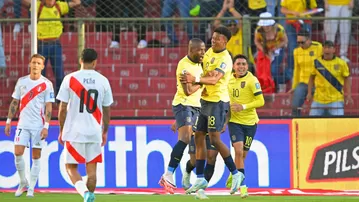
{"x":138,"y":152}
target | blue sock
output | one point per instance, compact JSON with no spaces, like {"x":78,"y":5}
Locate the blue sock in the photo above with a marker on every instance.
{"x":176,"y":156}
{"x":230,"y":165}
{"x":200,"y":168}
{"x":208,"y":172}
{"x":242,"y":171}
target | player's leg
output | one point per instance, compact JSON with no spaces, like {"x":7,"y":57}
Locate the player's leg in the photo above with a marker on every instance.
{"x":74,"y":155}
{"x":216,"y":122}
{"x":37,"y":144}
{"x":190,"y":165}
{"x":93,"y":156}
{"x":185,"y":117}
{"x":211,"y":159}
{"x":21,"y":140}
{"x":200,"y":142}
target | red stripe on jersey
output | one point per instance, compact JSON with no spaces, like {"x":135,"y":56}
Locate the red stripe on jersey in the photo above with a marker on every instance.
{"x":35,"y":91}
{"x":97,"y":159}
{"x":77,"y":87}
{"x":74,"y":153}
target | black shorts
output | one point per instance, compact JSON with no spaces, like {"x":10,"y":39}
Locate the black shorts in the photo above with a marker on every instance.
{"x":185,"y":115}
{"x":192,"y":145}
{"x":212,"y":116}
{"x":242,"y":133}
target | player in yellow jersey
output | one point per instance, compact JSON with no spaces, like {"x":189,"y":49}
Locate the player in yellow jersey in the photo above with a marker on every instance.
{"x":186,"y":105}
{"x":245,"y":96}
{"x":329,"y":76}
{"x":215,"y":105}
{"x":304,"y":56}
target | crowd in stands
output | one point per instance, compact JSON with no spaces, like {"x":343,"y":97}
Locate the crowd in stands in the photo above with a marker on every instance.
{"x":276,"y":51}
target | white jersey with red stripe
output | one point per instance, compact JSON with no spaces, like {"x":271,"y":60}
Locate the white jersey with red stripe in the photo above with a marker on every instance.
{"x":86,"y":92}
{"x":33,"y":96}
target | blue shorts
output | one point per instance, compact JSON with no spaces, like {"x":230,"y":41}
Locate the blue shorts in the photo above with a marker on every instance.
{"x":212,"y":116}
{"x":192,"y":145}
{"x":185,"y":115}
{"x":242,"y":133}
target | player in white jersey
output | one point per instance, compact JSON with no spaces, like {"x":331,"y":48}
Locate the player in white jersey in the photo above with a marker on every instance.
{"x":85,"y":97}
{"x":35,"y":95}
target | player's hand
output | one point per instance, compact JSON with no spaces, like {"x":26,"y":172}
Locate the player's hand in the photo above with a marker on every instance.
{"x":224,"y":128}
{"x":349,"y":100}
{"x":44,"y":133}
{"x":187,"y":78}
{"x":173,"y":127}
{"x":309,"y":97}
{"x":236,"y":107}
{"x":60,"y":139}
{"x":7,"y":130}
{"x":104,"y":139}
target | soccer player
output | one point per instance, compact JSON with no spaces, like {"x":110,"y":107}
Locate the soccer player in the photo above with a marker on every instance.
{"x":35,"y":94}
{"x":245,"y":96}
{"x":186,"y":105}
{"x":215,"y":105}
{"x":329,"y":76}
{"x":84,"y":114}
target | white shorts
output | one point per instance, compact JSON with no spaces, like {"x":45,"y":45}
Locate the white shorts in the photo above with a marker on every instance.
{"x":79,"y":153}
{"x":23,"y":137}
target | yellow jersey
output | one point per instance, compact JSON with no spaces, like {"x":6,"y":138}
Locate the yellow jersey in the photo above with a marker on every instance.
{"x":221,"y":62}
{"x":271,"y":44}
{"x":235,"y":45}
{"x":180,"y":97}
{"x":247,"y":91}
{"x":298,"y":6}
{"x":256,"y":4}
{"x":304,"y":62}
{"x":338,"y":2}
{"x":329,"y":80}
{"x":51,"y":29}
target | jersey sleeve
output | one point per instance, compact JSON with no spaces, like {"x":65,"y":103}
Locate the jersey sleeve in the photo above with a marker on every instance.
{"x":49,"y":93}
{"x":223,"y":65}
{"x":180,"y":69}
{"x":313,"y":71}
{"x":64,"y":7}
{"x":64,"y":92}
{"x":16,"y":94}
{"x":108,"y":98}
{"x":256,"y":87}
{"x":345,"y":72}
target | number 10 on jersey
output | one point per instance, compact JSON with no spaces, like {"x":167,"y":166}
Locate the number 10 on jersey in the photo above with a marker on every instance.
{"x":88,"y":100}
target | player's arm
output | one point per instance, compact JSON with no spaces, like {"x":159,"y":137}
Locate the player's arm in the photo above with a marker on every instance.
{"x":62,"y":115}
{"x":258,"y":96}
{"x":106,"y":119}
{"x":347,"y":84}
{"x":74,"y":3}
{"x":190,"y":88}
{"x":296,"y":71}
{"x":210,"y":79}
{"x":13,"y":108}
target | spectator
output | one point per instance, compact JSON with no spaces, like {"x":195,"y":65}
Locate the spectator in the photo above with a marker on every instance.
{"x":291,"y":9}
{"x":168,"y":11}
{"x":121,"y":9}
{"x":329,"y":76}
{"x":339,"y":8}
{"x":271,"y":6}
{"x":270,"y":39}
{"x":2,"y":54}
{"x":17,"y":11}
{"x":235,"y":44}
{"x":208,"y":8}
{"x":304,"y":57}
{"x":49,"y":33}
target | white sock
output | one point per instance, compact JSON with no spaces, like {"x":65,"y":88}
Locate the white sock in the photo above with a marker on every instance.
{"x":35,"y":171}
{"x":20,"y":167}
{"x":81,"y":187}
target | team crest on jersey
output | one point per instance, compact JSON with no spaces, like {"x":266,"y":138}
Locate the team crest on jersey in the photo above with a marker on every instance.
{"x":336,"y":67}
{"x":212,"y":60}
{"x":243,"y":84}
{"x":311,"y":53}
